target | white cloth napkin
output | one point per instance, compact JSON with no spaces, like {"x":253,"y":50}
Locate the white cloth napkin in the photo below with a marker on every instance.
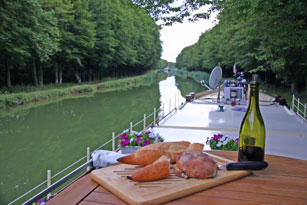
{"x":103,"y":158}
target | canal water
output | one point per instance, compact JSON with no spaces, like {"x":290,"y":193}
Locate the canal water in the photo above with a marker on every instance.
{"x":55,"y":135}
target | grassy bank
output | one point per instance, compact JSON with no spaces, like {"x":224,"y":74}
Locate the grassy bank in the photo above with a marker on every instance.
{"x":284,"y":92}
{"x":14,"y":100}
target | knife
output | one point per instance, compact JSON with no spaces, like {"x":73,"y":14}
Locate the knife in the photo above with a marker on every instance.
{"x":248,"y":165}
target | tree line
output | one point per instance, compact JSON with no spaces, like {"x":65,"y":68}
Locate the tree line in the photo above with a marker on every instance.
{"x":55,"y":41}
{"x":268,"y":37}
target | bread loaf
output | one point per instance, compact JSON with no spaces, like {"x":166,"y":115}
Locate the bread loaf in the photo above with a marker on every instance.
{"x":141,"y":157}
{"x":158,"y":170}
{"x":148,"y":154}
{"x":195,"y":165}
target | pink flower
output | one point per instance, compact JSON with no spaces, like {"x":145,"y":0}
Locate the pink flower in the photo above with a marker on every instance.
{"x":124,"y":135}
{"x":127,"y":142}
{"x":122,"y":143}
{"x":146,"y":142}
{"x":216,"y":137}
{"x":138,"y":140}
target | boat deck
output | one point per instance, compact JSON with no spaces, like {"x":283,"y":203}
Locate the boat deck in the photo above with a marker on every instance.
{"x":283,"y":182}
{"x":286,"y":133}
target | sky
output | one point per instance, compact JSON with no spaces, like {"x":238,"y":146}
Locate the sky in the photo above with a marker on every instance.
{"x":174,"y":38}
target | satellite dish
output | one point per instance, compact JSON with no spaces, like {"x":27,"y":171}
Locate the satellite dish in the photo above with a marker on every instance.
{"x":214,"y":80}
{"x":215,"y":77}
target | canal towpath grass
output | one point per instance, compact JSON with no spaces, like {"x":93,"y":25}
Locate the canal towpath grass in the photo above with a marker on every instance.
{"x":32,"y":95}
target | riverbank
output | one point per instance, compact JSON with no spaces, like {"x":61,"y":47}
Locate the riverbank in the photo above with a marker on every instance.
{"x":21,"y":99}
{"x":284,"y":92}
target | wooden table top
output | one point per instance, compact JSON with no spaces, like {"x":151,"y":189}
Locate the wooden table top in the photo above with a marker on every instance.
{"x":283,"y":182}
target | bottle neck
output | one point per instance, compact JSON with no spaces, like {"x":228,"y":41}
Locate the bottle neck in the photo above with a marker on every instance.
{"x":254,"y":95}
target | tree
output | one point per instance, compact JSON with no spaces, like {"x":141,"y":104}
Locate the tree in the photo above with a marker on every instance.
{"x":83,"y":30}
{"x":40,"y":39}
{"x":63,"y":11}
{"x":102,"y":54}
{"x":26,"y":31}
{"x":13,"y":14}
{"x":259,"y":36}
{"x":127,"y":40}
{"x":170,"y":11}
{"x":44,"y":39}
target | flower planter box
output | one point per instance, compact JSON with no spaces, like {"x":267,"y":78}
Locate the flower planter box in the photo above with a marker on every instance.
{"x":129,"y":143}
{"x":129,"y":149}
{"x":220,"y":142}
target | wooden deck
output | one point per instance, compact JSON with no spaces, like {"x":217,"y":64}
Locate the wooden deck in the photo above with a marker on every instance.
{"x":283,"y":182}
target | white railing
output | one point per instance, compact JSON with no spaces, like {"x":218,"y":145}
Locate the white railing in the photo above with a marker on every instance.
{"x":299,"y":108}
{"x":86,"y":165}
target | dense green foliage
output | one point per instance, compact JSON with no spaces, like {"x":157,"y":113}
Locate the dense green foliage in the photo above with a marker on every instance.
{"x":163,"y":64}
{"x":170,"y":11}
{"x":268,"y":37}
{"x":45,"y":41}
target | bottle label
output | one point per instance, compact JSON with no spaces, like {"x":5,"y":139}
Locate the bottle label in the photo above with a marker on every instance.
{"x":248,"y":140}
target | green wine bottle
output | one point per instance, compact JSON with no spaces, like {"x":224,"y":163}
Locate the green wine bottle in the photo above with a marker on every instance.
{"x":252,"y":131}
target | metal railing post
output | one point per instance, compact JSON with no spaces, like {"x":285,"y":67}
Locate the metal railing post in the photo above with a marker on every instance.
{"x":48,"y":182}
{"x":144,"y":122}
{"x":293,"y":98}
{"x":88,"y":155}
{"x":298,"y":106}
{"x":131,"y":126}
{"x":170,"y":105}
{"x":175,"y":101}
{"x":113,"y":141}
{"x":154,"y":120}
{"x":178,"y":101}
{"x":162,"y":110}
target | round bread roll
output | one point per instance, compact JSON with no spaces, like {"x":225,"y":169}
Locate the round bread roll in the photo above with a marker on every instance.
{"x":195,"y":165}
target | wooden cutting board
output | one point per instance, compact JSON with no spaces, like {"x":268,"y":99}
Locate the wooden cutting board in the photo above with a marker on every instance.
{"x":114,"y":178}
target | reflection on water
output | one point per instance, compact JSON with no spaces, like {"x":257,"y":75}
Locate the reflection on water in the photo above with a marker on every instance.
{"x":170,"y":95}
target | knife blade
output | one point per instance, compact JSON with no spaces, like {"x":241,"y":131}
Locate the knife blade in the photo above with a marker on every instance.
{"x":248,"y":165}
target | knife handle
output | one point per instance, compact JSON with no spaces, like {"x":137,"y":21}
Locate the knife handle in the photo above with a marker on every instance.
{"x":250,"y":165}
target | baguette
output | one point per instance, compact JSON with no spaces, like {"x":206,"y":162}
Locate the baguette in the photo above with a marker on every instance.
{"x":150,"y":153}
{"x":167,"y":146}
{"x":141,"y":157}
{"x":158,"y":170}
